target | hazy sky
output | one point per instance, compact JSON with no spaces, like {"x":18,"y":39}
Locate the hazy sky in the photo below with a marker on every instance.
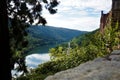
{"x":78,"y":14}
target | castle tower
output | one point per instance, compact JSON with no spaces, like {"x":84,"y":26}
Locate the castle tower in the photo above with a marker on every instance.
{"x":115,"y":12}
{"x":111,"y":18}
{"x":103,"y":21}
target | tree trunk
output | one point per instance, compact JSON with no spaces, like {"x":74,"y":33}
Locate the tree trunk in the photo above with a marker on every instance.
{"x":4,"y":43}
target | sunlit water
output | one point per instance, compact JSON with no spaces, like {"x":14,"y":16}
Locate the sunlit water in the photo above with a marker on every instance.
{"x":32,"y":61}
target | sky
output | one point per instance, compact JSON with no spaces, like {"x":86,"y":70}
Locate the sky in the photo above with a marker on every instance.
{"x":81,"y":15}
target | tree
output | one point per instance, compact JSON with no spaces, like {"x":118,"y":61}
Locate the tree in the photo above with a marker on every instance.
{"x":19,"y":16}
{"x":4,"y":43}
{"x":111,"y":37}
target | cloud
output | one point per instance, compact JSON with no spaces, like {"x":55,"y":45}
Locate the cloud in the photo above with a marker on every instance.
{"x":78,"y":14}
{"x":34,"y":60}
{"x":82,"y":4}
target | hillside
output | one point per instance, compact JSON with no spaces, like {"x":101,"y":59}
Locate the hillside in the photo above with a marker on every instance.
{"x":49,"y":36}
{"x":92,"y":56}
{"x":82,"y":49}
{"x":91,"y":47}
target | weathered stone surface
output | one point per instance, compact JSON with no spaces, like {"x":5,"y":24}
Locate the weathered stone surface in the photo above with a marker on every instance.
{"x":98,"y":69}
{"x":116,"y":52}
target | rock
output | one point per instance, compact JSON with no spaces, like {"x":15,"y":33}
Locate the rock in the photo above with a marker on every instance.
{"x":98,"y":69}
{"x":116,"y":52}
{"x":115,"y":57}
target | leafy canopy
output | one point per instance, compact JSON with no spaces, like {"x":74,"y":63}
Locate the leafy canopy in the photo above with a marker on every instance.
{"x":21,"y":14}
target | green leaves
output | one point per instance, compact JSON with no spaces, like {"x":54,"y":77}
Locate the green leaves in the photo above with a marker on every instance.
{"x":31,"y":2}
{"x":45,"y":1}
{"x":38,"y":7}
{"x":21,"y":14}
{"x":91,"y":46}
{"x":23,"y":7}
{"x":51,"y":6}
{"x":53,"y":3}
{"x":52,"y":11}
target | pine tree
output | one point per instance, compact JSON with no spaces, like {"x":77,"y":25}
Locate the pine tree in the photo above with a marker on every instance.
{"x":19,"y":17}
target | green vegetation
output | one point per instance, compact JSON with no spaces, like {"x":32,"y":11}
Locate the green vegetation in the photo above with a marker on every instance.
{"x":19,"y":17}
{"x":48,"y":36}
{"x":82,"y":49}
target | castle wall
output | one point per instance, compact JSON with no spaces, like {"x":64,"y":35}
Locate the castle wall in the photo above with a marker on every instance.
{"x":115,"y":12}
{"x":104,"y":21}
{"x":112,"y":17}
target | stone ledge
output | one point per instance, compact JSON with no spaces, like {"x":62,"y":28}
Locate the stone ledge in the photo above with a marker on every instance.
{"x":98,"y":69}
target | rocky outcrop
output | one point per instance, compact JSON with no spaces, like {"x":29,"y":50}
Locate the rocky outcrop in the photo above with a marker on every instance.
{"x":98,"y":69}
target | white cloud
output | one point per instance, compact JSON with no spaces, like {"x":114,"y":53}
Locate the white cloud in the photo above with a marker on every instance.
{"x":81,"y":4}
{"x":78,"y":14}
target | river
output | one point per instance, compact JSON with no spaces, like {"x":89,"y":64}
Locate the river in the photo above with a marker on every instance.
{"x":33,"y":60}
{"x":36,"y":56}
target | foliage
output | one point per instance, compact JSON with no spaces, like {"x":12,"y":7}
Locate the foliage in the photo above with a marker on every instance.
{"x":88,"y":47}
{"x":20,"y":17}
{"x":47,"y":36}
{"x":111,"y":37}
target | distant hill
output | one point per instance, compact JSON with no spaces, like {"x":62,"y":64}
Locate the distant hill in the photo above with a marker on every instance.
{"x":48,"y":35}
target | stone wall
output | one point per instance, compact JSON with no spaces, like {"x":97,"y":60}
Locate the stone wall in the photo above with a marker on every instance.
{"x":104,"y":20}
{"x":115,"y":11}
{"x":112,"y":17}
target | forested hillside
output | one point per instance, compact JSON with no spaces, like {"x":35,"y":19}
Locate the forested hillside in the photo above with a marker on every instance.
{"x":80,"y":50}
{"x":40,"y":36}
{"x":71,"y":53}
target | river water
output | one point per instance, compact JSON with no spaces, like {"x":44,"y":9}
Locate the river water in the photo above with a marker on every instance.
{"x":33,"y":60}
{"x":36,"y":56}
